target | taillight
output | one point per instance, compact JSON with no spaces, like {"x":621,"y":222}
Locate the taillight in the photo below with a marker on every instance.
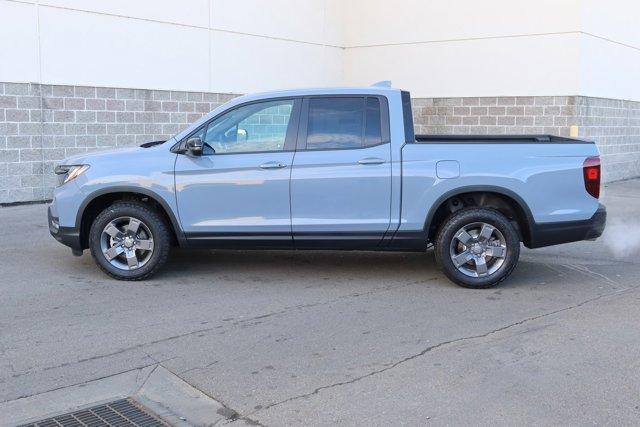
{"x":591,"y":171}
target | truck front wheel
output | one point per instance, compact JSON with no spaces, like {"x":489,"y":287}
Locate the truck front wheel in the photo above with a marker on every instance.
{"x":129,"y":240}
{"x":477,"y":247}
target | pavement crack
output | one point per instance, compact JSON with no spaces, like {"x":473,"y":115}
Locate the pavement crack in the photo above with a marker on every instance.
{"x":442,"y":344}
{"x":229,"y":414}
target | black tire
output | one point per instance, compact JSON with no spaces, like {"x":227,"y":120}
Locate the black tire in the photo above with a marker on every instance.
{"x":154,"y":223}
{"x":445,"y":243}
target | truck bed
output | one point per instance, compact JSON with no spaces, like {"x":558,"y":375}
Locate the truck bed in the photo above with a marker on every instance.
{"x":497,"y":139}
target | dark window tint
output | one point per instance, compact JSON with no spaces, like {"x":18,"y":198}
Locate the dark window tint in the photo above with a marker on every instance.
{"x":373,"y":129}
{"x":335,"y":123}
{"x":408,"y":117}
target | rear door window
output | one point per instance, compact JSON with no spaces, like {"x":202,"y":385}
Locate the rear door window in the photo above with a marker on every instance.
{"x":345,"y":122}
{"x":335,"y":123}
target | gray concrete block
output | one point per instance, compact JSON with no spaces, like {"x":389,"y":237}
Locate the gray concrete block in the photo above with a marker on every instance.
{"x":96,"y":104}
{"x":18,"y":142}
{"x":16,"y":88}
{"x":85,"y":116}
{"x":125,"y":117}
{"x":8,"y":101}
{"x":125,"y":94}
{"x":105,"y":116}
{"x":152,"y":106}
{"x":96,"y":129}
{"x":12,"y":115}
{"x":161,"y":95}
{"x":53,"y":103}
{"x":63,"y":91}
{"x":30,"y":128}
{"x":134,"y":105}
{"x":29,"y":102}
{"x":84,"y":92}
{"x":75,"y":129}
{"x":170,"y":106}
{"x":74,"y":103}
{"x":114,"y":129}
{"x":64,"y":116}
{"x":105,"y":92}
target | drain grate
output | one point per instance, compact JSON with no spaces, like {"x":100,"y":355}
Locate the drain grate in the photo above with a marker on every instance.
{"x":121,"y":413}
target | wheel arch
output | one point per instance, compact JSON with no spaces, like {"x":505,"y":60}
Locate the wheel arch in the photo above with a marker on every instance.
{"x":95,"y":202}
{"x":523,"y":215}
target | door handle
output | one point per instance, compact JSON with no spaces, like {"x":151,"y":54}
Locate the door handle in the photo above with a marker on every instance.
{"x":272,"y":165}
{"x":371,"y":161}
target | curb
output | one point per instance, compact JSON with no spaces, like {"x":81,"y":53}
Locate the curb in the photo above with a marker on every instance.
{"x":155,"y":387}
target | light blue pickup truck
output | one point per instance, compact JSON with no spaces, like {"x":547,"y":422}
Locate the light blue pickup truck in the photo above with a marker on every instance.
{"x":336,"y":168}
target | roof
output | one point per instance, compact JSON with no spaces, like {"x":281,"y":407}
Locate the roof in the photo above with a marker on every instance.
{"x":362,"y":90}
{"x":345,"y":90}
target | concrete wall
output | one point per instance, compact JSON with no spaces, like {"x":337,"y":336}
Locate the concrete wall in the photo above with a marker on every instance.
{"x":496,"y":47}
{"x":433,"y":48}
{"x":192,"y":45}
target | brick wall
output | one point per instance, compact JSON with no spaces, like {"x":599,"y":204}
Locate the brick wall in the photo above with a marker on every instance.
{"x":613,"y":124}
{"x":42,"y":124}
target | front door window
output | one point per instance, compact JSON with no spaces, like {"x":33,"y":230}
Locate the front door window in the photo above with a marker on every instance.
{"x":258,"y":127}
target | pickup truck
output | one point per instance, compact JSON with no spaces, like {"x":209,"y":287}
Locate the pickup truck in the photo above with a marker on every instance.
{"x":329,"y":169}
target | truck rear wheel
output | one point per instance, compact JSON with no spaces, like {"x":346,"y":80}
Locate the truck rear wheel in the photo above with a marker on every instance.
{"x":129,"y":240}
{"x":477,"y":247}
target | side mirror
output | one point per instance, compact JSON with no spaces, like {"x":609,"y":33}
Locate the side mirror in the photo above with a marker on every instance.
{"x":243,"y":135}
{"x":195,"y":146}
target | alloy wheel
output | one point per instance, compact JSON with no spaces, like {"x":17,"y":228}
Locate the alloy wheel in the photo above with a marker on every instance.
{"x":127,"y":243}
{"x":478,"y":249}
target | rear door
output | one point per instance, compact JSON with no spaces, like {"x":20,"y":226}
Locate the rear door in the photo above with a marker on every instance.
{"x":341,"y":174}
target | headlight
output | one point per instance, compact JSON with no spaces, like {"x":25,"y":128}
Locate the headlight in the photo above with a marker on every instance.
{"x":69,"y":172}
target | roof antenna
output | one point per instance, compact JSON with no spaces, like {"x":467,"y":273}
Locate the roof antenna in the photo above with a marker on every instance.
{"x":384,"y":83}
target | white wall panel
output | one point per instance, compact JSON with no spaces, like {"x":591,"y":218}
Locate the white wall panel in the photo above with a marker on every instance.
{"x":187,"y":12}
{"x":373,"y":22}
{"x":299,"y":20}
{"x":617,"y":20}
{"x":540,"y":65}
{"x":89,"y":49}
{"x":335,"y":22}
{"x":242,"y":63}
{"x":433,"y":47}
{"x":608,"y":70}
{"x":18,"y":43}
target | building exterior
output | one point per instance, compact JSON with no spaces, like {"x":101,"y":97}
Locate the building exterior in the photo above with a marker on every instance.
{"x":85,"y":75}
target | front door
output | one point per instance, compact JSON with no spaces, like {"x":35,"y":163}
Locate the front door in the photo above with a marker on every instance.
{"x":341,"y":176}
{"x":237,"y":192}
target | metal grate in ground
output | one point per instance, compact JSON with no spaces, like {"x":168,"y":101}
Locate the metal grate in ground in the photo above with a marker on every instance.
{"x":121,"y":413}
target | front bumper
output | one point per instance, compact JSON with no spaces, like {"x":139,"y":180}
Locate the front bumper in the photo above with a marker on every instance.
{"x":556,"y":233}
{"x":69,"y":236}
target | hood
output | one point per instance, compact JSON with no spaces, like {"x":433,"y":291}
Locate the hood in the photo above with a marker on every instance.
{"x":88,"y":158}
{"x":112,"y":154}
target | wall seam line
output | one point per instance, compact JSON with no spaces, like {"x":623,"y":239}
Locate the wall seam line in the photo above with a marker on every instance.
{"x":158,"y":21}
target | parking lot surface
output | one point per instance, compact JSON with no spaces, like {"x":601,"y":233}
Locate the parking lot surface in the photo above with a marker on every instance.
{"x":290,"y":338}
